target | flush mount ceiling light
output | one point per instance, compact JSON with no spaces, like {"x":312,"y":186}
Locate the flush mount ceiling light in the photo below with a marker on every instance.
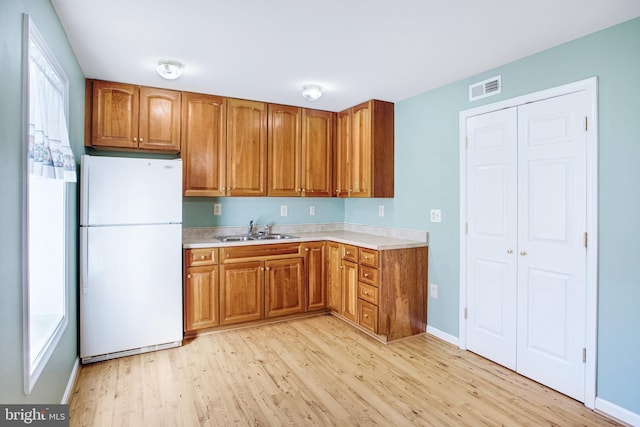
{"x":311,"y":92}
{"x":169,"y":69}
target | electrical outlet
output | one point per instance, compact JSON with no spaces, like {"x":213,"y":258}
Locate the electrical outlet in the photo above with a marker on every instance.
{"x":284,"y":210}
{"x":217,"y":209}
{"x":312,"y":210}
{"x":381,"y":210}
{"x":436,"y":215}
{"x":433,"y":291}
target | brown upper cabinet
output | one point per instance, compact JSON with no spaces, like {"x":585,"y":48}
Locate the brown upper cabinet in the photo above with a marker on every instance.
{"x":246,"y":148}
{"x":364,"y":158}
{"x":131,"y":117}
{"x":204,"y":144}
{"x":300,"y":151}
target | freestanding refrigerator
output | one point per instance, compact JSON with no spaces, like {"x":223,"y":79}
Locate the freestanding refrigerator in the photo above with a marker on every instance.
{"x":130,"y":256}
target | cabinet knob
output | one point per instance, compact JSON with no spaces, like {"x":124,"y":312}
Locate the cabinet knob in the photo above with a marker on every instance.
{"x":299,"y":190}
{"x":306,"y":249}
{"x":348,"y":253}
{"x":523,"y":253}
{"x":268,"y":268}
{"x":509,"y":251}
{"x":202,"y":257}
{"x":135,"y":139}
{"x":188,"y":276}
{"x":366,"y":274}
{"x":337,"y":191}
{"x":261,"y":268}
{"x":366,"y":316}
{"x":141,"y":139}
{"x":304,"y":190}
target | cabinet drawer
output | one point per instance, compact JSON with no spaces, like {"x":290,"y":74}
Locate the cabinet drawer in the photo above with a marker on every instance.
{"x":368,"y":293}
{"x":261,"y":252}
{"x":369,"y":275}
{"x":204,"y":256}
{"x":368,"y":316}
{"x":350,"y":253}
{"x":369,"y":257}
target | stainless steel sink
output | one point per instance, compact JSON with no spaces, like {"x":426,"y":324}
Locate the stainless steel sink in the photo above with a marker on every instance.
{"x":247,"y":237}
{"x":274,"y":236}
{"x":238,"y":238}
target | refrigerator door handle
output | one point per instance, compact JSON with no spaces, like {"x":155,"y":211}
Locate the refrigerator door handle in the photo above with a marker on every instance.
{"x":84,"y":259}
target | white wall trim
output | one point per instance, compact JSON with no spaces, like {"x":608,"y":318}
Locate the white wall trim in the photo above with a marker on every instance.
{"x":590,"y":86}
{"x":75,"y":372}
{"x":617,"y":412}
{"x":442,"y":335}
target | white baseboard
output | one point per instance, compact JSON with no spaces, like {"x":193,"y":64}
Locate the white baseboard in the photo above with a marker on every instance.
{"x":442,"y":335}
{"x":71,"y":383}
{"x":617,"y":412}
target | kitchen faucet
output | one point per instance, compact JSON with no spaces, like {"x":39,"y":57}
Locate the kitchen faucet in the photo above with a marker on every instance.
{"x":250,"y":231}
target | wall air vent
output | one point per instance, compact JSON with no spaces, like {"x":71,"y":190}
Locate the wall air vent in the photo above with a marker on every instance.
{"x":489,"y":87}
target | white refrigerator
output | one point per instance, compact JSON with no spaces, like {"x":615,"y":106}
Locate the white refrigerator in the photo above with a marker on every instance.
{"x":130,"y":256}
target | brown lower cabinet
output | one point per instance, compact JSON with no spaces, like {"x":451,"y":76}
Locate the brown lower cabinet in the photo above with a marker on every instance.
{"x":383,"y":292}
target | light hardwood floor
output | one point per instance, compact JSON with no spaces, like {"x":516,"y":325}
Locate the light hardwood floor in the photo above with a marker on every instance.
{"x":315,"y":371}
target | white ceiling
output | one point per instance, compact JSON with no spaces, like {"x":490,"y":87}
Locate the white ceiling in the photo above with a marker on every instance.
{"x":355,"y":49}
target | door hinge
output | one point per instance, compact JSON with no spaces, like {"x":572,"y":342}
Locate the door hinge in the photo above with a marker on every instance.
{"x":586,"y":123}
{"x":465,"y":313}
{"x":586,"y":239}
{"x":584,"y":355}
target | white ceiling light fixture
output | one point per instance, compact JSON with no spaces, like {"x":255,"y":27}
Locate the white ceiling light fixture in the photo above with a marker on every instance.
{"x":169,"y":69}
{"x":311,"y":92}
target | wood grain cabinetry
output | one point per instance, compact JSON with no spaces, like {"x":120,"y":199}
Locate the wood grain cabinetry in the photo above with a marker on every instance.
{"x":246,"y":148}
{"x":200,"y":289}
{"x":300,"y":151}
{"x":261,"y":281}
{"x":204,"y":144}
{"x":383,"y":292}
{"x":315,"y":275}
{"x":133,"y":117}
{"x":284,"y":287}
{"x":365,"y":144}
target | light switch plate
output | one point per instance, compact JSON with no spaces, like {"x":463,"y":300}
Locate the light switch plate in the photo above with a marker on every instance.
{"x":217,"y":209}
{"x":284,"y":210}
{"x":433,"y":291}
{"x":312,"y":210}
{"x":436,"y":215}
{"x":381,"y":210}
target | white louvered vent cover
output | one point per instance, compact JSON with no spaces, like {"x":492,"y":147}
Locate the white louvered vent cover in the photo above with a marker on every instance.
{"x":489,"y":87}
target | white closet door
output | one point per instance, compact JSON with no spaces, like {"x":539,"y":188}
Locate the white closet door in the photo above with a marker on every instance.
{"x":551,"y":251}
{"x":492,"y":230}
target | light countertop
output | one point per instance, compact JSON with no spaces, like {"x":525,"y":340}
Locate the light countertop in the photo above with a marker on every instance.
{"x":207,"y":239}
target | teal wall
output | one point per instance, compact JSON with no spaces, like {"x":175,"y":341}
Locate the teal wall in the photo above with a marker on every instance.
{"x":51,"y":385}
{"x":427,"y":176}
{"x":238,"y":211}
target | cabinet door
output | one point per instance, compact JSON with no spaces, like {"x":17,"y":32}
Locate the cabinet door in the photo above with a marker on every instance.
{"x":204,"y":144}
{"x":246,"y":148}
{"x":333,"y":270}
{"x":342,"y":165}
{"x":349,"y":308}
{"x":115,"y":115}
{"x":159,"y":126}
{"x":315,"y":275}
{"x":284,"y":150}
{"x":360,"y":166}
{"x":201,"y":297}
{"x":241,"y":292}
{"x":317,"y":152}
{"x":284,"y":287}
